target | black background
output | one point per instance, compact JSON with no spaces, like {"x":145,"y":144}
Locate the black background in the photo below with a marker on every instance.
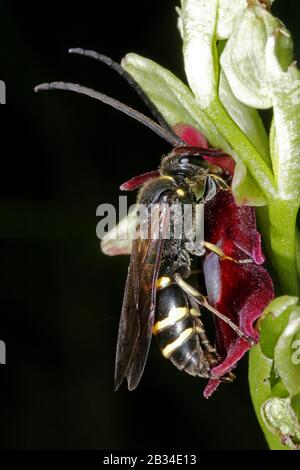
{"x":61,"y":156}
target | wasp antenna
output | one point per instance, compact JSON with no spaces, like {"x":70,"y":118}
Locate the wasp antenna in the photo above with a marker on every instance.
{"x":111,"y":102}
{"x":133,"y":83}
{"x":101,"y":58}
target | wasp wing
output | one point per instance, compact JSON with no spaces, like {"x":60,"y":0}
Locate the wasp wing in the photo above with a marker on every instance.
{"x":137,"y":316}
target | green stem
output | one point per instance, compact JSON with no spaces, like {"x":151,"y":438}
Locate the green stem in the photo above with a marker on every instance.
{"x":282,"y":215}
{"x":239,"y":142}
{"x":281,"y":245}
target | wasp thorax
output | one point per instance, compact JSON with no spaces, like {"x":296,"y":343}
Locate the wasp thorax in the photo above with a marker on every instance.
{"x":187,"y":166}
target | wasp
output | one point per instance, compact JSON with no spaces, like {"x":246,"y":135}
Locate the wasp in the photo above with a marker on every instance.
{"x":158,"y":300}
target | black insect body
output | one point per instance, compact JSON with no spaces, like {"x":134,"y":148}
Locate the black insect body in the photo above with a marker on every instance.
{"x":153,"y":301}
{"x":180,"y":332}
{"x":157,"y":299}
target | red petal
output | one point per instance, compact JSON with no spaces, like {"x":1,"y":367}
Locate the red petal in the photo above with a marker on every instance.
{"x":190,"y":135}
{"x":138,"y":181}
{"x":226,"y":163}
{"x":242,"y":300}
{"x":240,"y":291}
{"x":233,"y":226}
{"x":194,"y":138}
{"x":211,"y":386}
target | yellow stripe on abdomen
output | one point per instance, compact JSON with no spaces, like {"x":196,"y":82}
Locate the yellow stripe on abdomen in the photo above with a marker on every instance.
{"x":175,"y":314}
{"x":170,"y":348}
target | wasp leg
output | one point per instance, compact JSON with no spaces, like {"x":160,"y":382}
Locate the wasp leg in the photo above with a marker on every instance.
{"x":203,"y":337}
{"x":201,"y":300}
{"x":215,"y":249}
{"x":220,"y":182}
{"x":212,"y":354}
{"x":227,"y":378}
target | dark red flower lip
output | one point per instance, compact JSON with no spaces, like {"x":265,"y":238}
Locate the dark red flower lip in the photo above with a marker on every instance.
{"x":138,"y":181}
{"x":239,"y":291}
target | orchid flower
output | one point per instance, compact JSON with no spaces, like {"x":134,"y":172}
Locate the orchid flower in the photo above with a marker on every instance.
{"x":238,"y":59}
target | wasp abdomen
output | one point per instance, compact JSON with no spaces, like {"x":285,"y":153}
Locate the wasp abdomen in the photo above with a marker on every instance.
{"x":178,"y":330}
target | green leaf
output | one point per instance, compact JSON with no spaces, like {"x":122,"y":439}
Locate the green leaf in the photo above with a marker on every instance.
{"x":244,"y":187}
{"x":277,"y":325}
{"x":279,"y":390}
{"x":287,"y":354}
{"x":172,"y":97}
{"x":273,"y":321}
{"x":281,"y":419}
{"x":295,"y":402}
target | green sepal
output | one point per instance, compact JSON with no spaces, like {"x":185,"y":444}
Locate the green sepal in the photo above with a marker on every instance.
{"x":273,"y":321}
{"x":259,"y":373}
{"x":172,"y":97}
{"x":287,"y":353}
{"x":261,"y":48}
